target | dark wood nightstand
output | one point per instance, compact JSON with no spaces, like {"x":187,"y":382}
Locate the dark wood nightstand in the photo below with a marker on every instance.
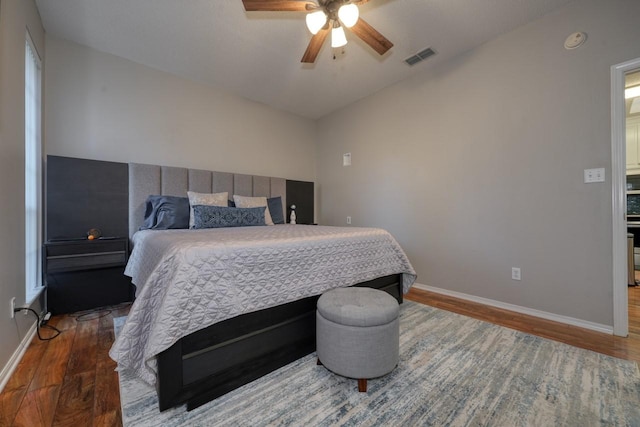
{"x":86,"y":274}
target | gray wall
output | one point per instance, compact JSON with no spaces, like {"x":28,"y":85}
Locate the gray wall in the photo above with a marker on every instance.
{"x":15,"y":17}
{"x":477,"y":166}
{"x":99,"y":106}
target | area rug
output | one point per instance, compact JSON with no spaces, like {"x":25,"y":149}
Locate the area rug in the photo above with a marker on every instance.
{"x":453,"y":371}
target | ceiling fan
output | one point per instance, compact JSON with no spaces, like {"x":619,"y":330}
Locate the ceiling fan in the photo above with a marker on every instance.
{"x":324,"y":16}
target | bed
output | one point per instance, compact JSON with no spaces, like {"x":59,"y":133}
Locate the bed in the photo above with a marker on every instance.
{"x":218,"y":308}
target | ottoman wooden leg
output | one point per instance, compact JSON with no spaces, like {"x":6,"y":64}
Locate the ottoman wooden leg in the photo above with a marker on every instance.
{"x":362,"y":385}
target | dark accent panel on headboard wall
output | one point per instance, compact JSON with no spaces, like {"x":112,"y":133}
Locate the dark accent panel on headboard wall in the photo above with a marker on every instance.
{"x":84,"y":194}
{"x":300,"y":193}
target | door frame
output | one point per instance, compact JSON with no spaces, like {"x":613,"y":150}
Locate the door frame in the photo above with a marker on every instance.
{"x":619,"y":196}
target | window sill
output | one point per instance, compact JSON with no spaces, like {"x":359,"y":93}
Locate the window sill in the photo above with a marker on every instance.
{"x":32,"y":295}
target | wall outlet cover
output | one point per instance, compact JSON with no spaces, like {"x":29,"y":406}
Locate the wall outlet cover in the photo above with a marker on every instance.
{"x":593,"y":175}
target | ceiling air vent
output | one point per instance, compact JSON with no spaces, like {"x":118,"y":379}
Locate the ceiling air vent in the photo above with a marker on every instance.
{"x":420,"y":56}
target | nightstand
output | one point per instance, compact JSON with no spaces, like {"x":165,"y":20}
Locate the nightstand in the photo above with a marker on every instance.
{"x":86,"y":274}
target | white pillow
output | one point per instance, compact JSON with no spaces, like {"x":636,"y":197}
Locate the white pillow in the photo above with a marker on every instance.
{"x":254,"y":202}
{"x":207,"y":199}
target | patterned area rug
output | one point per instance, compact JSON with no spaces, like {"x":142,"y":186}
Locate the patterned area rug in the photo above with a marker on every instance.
{"x":453,"y":371}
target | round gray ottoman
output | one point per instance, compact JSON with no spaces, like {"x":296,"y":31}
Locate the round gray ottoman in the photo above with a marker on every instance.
{"x":357,"y":333}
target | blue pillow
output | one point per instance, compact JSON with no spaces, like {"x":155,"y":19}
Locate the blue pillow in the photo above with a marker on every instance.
{"x":166,"y":212}
{"x":218,"y":216}
{"x":275,"y":209}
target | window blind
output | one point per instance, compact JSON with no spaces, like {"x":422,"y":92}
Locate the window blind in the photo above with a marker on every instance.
{"x":33,"y":170}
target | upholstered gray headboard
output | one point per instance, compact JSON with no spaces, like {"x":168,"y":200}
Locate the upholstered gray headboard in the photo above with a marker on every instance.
{"x":146,"y":180}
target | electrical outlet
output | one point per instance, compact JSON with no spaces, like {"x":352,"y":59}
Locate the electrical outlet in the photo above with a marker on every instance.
{"x":13,"y":307}
{"x":515,"y":273}
{"x":348,"y":220}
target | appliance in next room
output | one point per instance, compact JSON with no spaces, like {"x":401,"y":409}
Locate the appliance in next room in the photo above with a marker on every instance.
{"x":633,"y":215}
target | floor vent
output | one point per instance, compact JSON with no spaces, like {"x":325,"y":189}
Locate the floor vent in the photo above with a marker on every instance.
{"x":420,"y":56}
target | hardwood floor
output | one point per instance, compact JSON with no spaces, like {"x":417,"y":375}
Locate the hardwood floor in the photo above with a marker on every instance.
{"x":70,"y":381}
{"x":624,"y":348}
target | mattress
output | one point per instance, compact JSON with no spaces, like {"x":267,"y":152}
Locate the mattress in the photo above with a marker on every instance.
{"x":188,"y":280}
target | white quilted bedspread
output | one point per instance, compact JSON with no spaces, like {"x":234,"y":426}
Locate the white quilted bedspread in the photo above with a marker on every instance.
{"x":190,"y":279}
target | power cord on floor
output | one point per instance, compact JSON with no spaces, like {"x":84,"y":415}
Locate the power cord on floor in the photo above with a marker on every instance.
{"x":92,"y":314}
{"x":38,"y":325}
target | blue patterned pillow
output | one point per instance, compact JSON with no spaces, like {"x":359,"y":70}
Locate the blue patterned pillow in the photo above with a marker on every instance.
{"x":218,"y":216}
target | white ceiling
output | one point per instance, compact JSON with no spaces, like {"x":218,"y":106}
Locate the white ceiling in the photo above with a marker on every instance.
{"x":257,"y":54}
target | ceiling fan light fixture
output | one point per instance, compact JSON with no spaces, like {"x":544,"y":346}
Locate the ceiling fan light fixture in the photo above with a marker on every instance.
{"x":348,"y":14}
{"x":315,"y":21}
{"x":323,"y":15}
{"x":338,"y":38}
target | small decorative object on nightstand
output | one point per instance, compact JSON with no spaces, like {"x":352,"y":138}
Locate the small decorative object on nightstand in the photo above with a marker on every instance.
{"x":292,"y":219}
{"x":93,"y":234}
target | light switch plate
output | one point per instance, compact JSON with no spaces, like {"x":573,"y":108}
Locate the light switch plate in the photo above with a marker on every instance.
{"x":346,"y":159}
{"x":516,"y":273}
{"x":593,"y":175}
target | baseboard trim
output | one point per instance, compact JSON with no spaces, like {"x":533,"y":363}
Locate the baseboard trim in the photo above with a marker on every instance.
{"x":16,"y":357}
{"x":598,"y":327}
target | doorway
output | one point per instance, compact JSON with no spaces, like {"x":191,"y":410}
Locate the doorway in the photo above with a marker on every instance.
{"x":622,"y":102}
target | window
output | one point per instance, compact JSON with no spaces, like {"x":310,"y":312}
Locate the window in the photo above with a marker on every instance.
{"x":32,"y":170}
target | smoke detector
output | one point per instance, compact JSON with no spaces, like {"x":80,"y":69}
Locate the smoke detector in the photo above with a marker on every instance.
{"x":575,"y":40}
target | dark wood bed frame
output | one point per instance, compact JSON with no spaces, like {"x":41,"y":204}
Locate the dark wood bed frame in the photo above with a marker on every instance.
{"x":227,"y":355}
{"x":209,"y":363}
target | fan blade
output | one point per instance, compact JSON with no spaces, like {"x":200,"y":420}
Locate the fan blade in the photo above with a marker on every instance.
{"x":370,"y":36}
{"x":277,"y":5}
{"x":360,"y":2}
{"x":314,"y":46}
